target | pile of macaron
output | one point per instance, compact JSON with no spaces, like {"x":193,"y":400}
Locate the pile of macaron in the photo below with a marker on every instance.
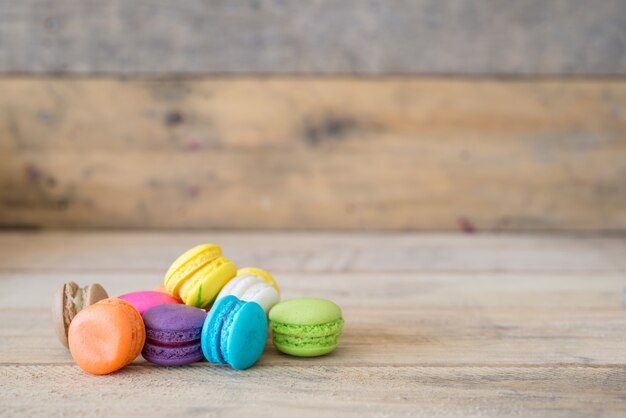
{"x":206,"y":309}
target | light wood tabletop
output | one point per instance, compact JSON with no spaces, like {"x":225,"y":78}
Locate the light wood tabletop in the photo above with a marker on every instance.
{"x":436,"y":325}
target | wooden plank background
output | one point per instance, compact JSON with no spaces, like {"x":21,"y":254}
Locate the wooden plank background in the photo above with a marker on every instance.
{"x":254,"y":114}
{"x":314,"y":37}
{"x":314,"y":153}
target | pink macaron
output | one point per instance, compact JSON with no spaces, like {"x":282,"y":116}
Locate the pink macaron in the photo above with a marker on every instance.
{"x":142,"y":301}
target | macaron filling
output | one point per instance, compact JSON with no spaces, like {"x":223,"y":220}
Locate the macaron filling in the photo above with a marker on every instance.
{"x":251,"y":288}
{"x":262,"y":274}
{"x":172,"y":339}
{"x":227,"y":323}
{"x":78,"y":299}
{"x":242,"y":284}
{"x":255,"y":290}
{"x":307,"y":336}
{"x":317,"y":330}
{"x":306,"y":342}
{"x":215,"y":327}
{"x":70,"y":310}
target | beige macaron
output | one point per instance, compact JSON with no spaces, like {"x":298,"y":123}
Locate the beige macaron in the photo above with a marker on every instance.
{"x":70,"y":299}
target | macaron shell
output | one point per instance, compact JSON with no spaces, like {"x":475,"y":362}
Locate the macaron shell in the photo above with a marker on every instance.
{"x":193,"y":252}
{"x":260,"y":273}
{"x":106,"y":336}
{"x":172,"y":356}
{"x":185,"y":266}
{"x":314,"y":351}
{"x":238,"y":285}
{"x":305,"y":311}
{"x":253,"y":289}
{"x":60,"y":315}
{"x":142,"y":301}
{"x":93,"y":293}
{"x":174,"y":324}
{"x":263,"y":294}
{"x":246,"y":336}
{"x":161,"y":288}
{"x":212,"y":328}
{"x":138,"y":337}
{"x":201,"y":289}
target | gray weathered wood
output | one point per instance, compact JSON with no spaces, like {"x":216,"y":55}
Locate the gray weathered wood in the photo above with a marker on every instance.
{"x":322,"y":36}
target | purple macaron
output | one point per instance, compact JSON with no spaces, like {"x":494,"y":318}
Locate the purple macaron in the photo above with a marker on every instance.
{"x":173,"y":334}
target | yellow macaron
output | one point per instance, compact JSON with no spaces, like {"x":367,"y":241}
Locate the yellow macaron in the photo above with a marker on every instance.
{"x":199,"y":274}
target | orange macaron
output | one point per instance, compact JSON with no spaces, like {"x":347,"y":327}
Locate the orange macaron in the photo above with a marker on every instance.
{"x":106,"y":336}
{"x":161,"y":288}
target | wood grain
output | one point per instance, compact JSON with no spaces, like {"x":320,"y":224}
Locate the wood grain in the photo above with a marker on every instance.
{"x":391,"y":154}
{"x":299,"y":253}
{"x":319,"y":37}
{"x":313,"y":390}
{"x":429,"y":334}
{"x":406,"y":291}
{"x":430,"y":340}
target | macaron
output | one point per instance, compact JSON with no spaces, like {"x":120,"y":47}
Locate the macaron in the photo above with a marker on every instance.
{"x":234,"y":333}
{"x":306,"y":327}
{"x":70,"y":299}
{"x":106,"y":336}
{"x":142,"y":301}
{"x":253,"y":285}
{"x":160,"y":288}
{"x":173,"y":334}
{"x":199,"y":274}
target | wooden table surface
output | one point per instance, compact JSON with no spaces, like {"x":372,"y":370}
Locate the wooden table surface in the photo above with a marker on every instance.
{"x":436,"y":325}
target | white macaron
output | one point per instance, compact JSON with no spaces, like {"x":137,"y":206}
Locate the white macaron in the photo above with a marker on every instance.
{"x":251,"y":288}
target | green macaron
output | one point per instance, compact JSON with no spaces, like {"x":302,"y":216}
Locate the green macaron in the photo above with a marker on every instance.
{"x":306,"y":327}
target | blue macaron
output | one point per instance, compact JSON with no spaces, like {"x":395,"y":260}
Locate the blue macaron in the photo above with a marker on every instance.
{"x":234,"y":333}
